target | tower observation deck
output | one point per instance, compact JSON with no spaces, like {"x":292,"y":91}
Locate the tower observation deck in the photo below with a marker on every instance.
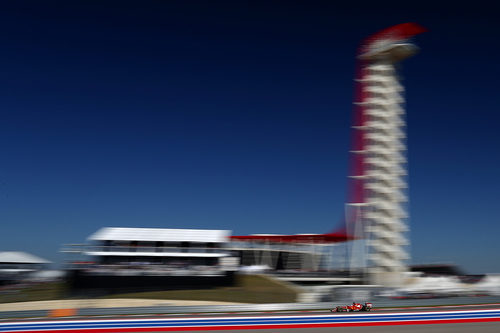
{"x":378,"y":171}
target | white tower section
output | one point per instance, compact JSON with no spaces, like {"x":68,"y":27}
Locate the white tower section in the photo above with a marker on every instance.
{"x":385,"y":172}
{"x":382,"y":131}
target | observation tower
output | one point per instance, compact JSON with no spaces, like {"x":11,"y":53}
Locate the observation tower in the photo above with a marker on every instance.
{"x":376,"y":209}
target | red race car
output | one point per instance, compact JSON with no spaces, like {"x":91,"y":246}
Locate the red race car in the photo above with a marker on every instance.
{"x":355,"y":307}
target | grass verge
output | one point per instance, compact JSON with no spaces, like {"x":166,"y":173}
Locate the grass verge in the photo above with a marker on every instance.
{"x":37,"y":292}
{"x":248,"y":289}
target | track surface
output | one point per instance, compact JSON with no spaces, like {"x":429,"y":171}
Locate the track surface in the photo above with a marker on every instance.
{"x":444,"y":319}
{"x":440,"y":328}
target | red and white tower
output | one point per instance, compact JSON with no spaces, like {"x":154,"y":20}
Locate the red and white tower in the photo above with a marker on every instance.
{"x":378,"y":176}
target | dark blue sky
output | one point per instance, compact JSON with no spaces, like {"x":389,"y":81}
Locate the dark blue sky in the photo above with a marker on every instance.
{"x":231,"y":115}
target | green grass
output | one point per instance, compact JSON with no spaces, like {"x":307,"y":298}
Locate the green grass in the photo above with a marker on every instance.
{"x":38,"y":292}
{"x":248,"y":289}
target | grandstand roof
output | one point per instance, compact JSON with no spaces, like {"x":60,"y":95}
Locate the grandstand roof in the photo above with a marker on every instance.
{"x":21,"y":258}
{"x":161,"y":235}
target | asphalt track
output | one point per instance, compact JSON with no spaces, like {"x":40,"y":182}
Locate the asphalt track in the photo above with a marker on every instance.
{"x":444,"y":319}
{"x":438,"y":328}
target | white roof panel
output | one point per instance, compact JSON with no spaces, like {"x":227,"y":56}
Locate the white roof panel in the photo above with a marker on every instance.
{"x":161,"y":235}
{"x":21,"y":258}
{"x":156,"y":254}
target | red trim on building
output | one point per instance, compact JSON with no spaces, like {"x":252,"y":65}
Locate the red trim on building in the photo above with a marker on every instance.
{"x":333,"y":237}
{"x":396,"y":33}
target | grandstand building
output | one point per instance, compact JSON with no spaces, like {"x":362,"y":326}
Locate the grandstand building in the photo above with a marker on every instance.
{"x":141,"y":257}
{"x":138,"y":257}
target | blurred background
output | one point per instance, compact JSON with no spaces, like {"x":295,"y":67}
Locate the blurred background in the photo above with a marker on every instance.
{"x":159,"y":150}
